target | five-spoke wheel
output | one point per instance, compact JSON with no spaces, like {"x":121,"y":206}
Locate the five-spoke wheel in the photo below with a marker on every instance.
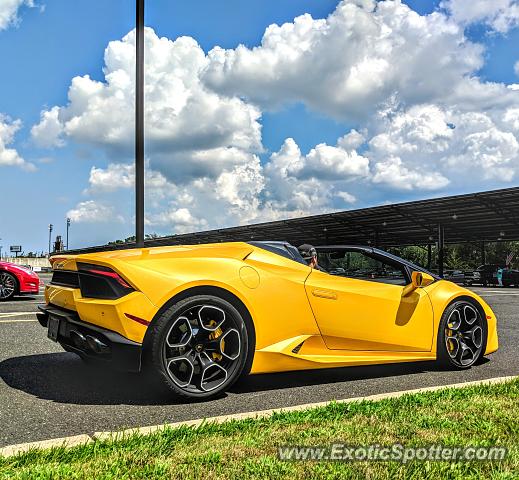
{"x":462,"y":335}
{"x":7,"y":286}
{"x":200,"y":346}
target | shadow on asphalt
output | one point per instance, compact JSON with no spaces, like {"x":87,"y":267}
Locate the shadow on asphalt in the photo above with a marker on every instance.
{"x":265,"y":382}
{"x":64,"y":378}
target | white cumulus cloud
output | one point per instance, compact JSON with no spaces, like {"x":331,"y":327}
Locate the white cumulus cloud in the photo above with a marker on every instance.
{"x":179,"y":220}
{"x":301,"y":183}
{"x":351,"y":63}
{"x":190,"y":130}
{"x":429,"y":147}
{"x":396,"y":174}
{"x":499,"y":15}
{"x":92,"y":211}
{"x":9,"y":11}
{"x":10,"y":156}
{"x":48,"y":132}
{"x":408,"y":83}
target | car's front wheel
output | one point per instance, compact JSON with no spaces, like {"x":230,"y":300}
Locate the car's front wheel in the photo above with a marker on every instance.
{"x":199,"y":347}
{"x":7,"y":286}
{"x":462,"y":335}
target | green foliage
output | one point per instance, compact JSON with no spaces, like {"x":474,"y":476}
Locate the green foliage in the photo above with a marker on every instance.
{"x":464,"y":256}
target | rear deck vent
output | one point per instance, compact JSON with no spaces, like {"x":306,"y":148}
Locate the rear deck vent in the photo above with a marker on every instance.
{"x":65,"y":278}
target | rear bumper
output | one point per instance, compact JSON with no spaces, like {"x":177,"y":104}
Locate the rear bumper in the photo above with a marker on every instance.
{"x":92,"y":341}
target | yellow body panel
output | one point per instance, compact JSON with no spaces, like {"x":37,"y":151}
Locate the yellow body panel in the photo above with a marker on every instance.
{"x":303,"y":319}
{"x":363,"y":315}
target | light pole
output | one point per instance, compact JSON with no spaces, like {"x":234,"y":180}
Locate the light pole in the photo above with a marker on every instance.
{"x":139,"y":124}
{"x":50,"y":235}
{"x":68,"y":226}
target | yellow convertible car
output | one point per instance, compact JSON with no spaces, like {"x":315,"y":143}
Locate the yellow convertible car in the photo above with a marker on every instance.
{"x":199,"y":317}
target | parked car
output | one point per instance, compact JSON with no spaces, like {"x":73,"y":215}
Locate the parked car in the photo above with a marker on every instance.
{"x":455,"y":276}
{"x":17,"y":280}
{"x":510,"y":277}
{"x":488,"y":275}
{"x":483,"y":275}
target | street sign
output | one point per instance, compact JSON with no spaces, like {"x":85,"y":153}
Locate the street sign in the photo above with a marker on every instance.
{"x":16,"y":248}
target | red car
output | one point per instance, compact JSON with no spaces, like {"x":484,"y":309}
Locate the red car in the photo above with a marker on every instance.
{"x":17,"y":280}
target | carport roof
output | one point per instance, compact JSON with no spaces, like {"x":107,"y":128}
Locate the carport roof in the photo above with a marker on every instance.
{"x":475,"y":217}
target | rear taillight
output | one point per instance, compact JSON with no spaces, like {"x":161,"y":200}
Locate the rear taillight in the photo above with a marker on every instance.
{"x":110,"y":274}
{"x":96,"y":281}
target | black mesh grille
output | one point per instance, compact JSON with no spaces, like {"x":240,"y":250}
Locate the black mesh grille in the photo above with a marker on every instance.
{"x":65,"y":278}
{"x":95,"y":286}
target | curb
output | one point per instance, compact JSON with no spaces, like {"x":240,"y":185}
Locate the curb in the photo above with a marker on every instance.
{"x":67,"y":442}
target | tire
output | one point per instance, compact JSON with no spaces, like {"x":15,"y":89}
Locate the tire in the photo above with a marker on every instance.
{"x":462,"y":336}
{"x":8,"y":286}
{"x":198,"y":347}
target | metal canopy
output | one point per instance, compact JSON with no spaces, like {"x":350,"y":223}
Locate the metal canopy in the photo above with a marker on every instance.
{"x":477,"y":217}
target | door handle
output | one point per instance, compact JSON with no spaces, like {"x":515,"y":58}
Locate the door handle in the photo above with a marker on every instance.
{"x":324,"y":294}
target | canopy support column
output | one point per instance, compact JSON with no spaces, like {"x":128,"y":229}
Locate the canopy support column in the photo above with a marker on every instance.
{"x":441,"y":248}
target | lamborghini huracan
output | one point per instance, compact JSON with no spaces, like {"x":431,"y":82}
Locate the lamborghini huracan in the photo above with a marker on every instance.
{"x":199,"y":317}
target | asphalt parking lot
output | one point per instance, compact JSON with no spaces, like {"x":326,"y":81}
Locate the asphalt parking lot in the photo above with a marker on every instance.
{"x":48,"y":393}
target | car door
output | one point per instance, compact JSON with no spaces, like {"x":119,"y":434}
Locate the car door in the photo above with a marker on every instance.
{"x":362,"y":307}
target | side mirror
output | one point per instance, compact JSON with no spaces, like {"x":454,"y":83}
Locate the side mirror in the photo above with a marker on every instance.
{"x":418,"y":280}
{"x":421,"y":279}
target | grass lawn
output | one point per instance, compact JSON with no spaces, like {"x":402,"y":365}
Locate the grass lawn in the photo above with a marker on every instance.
{"x":482,"y":415}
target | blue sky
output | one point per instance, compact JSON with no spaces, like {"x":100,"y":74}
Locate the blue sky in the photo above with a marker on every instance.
{"x":54,"y":41}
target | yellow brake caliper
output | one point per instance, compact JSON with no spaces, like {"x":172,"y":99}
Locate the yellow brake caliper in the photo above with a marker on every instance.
{"x":213,"y":336}
{"x":450,"y":345}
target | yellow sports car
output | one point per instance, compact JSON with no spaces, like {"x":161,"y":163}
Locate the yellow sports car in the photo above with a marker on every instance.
{"x":199,"y":317}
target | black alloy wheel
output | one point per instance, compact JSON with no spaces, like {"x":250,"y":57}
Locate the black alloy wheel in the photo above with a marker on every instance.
{"x":200,"y":346}
{"x":462,"y":335}
{"x":7,"y":286}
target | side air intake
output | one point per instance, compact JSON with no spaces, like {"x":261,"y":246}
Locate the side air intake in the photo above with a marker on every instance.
{"x":297,"y":348}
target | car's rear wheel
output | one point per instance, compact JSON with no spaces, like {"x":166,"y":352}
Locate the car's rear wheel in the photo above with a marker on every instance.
{"x":199,"y":347}
{"x":8,"y":286}
{"x":462,"y":335}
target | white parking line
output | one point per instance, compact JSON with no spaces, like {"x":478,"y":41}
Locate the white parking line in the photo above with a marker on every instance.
{"x":25,"y":302}
{"x":499,"y":294}
{"x":15,"y":314}
{"x":20,"y":320}
{"x":483,"y":293}
{"x":500,"y":290}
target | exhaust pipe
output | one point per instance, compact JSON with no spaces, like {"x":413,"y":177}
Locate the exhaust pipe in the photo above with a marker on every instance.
{"x":97,"y":345}
{"x":78,"y":339}
{"x":88,"y":343}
